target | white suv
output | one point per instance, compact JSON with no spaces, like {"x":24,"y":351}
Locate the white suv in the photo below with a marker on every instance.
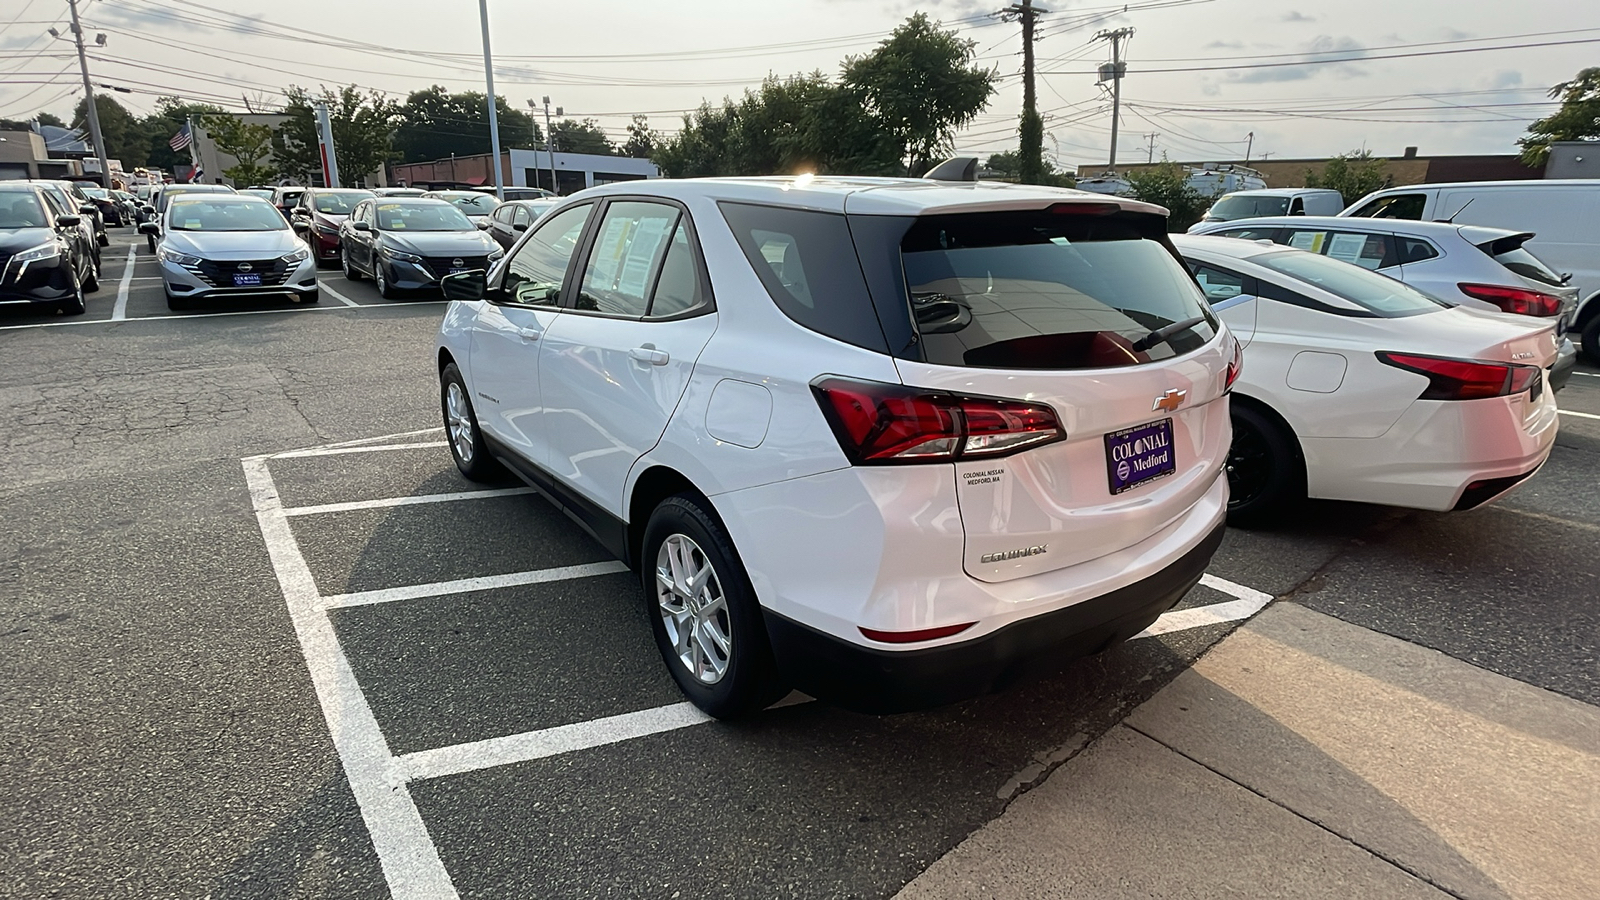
{"x":885,"y":441}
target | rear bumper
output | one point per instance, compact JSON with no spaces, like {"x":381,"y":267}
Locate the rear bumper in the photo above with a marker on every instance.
{"x":871,"y":680}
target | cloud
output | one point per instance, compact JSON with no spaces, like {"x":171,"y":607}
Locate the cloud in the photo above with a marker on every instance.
{"x":1224,"y":45}
{"x":1505,"y":78}
{"x":1346,"y":47}
{"x":1296,"y":17}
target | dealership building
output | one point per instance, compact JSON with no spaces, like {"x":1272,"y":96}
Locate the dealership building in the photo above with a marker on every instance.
{"x":526,"y":168}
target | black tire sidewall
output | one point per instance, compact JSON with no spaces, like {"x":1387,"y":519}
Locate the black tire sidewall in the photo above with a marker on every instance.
{"x":1590,"y":338}
{"x":483,"y":466}
{"x":1286,"y":480}
{"x":751,"y":682}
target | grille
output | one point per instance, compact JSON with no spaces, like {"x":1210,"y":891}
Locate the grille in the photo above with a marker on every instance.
{"x":440,"y":266}
{"x":220,"y":273}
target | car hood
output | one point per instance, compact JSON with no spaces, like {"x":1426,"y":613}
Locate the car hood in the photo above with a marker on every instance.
{"x":233,"y":244}
{"x":16,"y":240}
{"x":441,"y":243}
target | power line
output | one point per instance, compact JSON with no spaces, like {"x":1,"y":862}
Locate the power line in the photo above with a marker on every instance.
{"x":1352,"y":59}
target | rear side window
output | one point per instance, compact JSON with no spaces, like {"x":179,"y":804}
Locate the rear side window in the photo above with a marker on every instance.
{"x":1395,"y":206}
{"x":1414,"y":250}
{"x":1047,"y":291}
{"x":807,"y":262}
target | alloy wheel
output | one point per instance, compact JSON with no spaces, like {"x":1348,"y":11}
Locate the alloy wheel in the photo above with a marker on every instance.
{"x":1249,"y":464}
{"x":693,"y":608}
{"x":458,"y":420}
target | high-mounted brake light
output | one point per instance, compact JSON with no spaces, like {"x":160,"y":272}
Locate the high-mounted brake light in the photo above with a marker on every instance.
{"x":1522,"y":301}
{"x":883,"y":424}
{"x":1090,"y":208}
{"x":1465,"y":379}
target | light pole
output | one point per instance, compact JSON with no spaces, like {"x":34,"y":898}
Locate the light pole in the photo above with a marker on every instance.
{"x":494,"y":121}
{"x":88,"y":93}
{"x":550,"y":142}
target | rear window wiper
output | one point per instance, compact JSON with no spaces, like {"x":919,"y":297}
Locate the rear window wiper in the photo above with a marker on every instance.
{"x":1167,"y":332}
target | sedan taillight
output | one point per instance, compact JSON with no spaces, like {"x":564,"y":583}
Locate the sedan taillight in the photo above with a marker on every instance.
{"x":1522,"y":301}
{"x":1465,"y":379}
{"x":882,"y":424}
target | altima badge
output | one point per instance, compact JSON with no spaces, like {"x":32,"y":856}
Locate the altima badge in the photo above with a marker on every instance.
{"x":1170,"y":401}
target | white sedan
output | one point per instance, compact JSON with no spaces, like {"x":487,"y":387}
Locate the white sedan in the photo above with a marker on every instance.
{"x":1357,"y":387}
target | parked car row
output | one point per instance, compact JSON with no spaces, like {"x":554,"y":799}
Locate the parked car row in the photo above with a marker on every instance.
{"x":47,"y":259}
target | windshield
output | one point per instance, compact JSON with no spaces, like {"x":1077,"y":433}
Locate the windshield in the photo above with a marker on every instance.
{"x":1369,"y":290}
{"x":472,"y":204}
{"x":339,"y":203}
{"x":205,"y":214}
{"x":1047,"y":291}
{"x":22,"y":210}
{"x":1246,"y":207}
{"x":422,"y":217}
{"x":96,"y":193}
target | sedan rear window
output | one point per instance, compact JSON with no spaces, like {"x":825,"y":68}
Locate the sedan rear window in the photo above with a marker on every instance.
{"x":1048,"y":291}
{"x":1378,"y":294}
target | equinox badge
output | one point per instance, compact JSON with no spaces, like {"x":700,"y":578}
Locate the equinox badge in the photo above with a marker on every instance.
{"x":1004,"y":555}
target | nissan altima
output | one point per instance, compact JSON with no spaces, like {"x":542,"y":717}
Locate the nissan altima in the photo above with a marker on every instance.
{"x":408,"y":244}
{"x":231,"y":245}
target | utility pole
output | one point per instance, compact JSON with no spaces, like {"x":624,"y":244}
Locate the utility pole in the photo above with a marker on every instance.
{"x":494,"y":121}
{"x":1150,"y":156}
{"x":1249,"y":144}
{"x":1113,"y":73}
{"x":88,"y":96}
{"x":550,"y":142}
{"x":1030,"y":161}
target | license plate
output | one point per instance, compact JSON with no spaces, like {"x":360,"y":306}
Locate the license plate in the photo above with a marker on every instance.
{"x":242,"y":280}
{"x":456,"y":271}
{"x":1139,"y":454}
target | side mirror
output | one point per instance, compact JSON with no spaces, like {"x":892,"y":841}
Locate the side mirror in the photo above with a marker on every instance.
{"x":361,"y":226}
{"x":483,"y":224}
{"x":67,"y":221}
{"x":473,"y":285}
{"x":149,"y":228}
{"x":88,"y":208}
{"x":520,"y":226}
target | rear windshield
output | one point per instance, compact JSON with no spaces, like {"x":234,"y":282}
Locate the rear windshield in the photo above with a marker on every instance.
{"x":1514,"y":257}
{"x":1375,"y":293}
{"x":1046,"y":291}
{"x":1236,"y":207}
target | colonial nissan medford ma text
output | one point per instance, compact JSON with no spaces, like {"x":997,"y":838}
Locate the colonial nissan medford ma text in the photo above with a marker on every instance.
{"x":890,"y":442}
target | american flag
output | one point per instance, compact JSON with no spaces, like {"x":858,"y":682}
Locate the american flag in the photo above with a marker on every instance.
{"x":182,"y":139}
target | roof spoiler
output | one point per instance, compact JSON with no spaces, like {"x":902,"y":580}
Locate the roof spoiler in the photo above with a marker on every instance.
{"x":957,"y":168}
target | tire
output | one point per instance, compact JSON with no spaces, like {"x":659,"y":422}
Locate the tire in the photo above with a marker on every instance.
{"x":711,"y":637}
{"x":1591,"y":338}
{"x":461,"y":428}
{"x":74,"y":305}
{"x":152,"y":239}
{"x":176,"y":303}
{"x":311,"y":298}
{"x":92,"y":282}
{"x":350,"y":273}
{"x":385,"y":289}
{"x":1266,"y":472}
{"x":104,"y":239}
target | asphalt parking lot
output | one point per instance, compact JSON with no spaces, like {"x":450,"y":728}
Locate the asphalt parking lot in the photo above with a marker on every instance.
{"x":262,"y":640}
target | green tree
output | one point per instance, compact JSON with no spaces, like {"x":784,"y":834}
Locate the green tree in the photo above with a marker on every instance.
{"x":1167,"y":184}
{"x":920,"y":85}
{"x":1354,"y":175}
{"x":250,"y":144}
{"x":363,"y":132}
{"x":1578,"y":118}
{"x":44,"y":118}
{"x":435,"y":123}
{"x":570,"y":136}
{"x":642,"y":139}
{"x":122,"y":131}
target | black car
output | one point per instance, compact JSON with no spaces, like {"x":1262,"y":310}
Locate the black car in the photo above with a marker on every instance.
{"x":406,"y":243}
{"x":42,"y":259}
{"x":511,"y":218}
{"x":68,"y":205}
{"x":87,"y":208}
{"x":110,"y":208}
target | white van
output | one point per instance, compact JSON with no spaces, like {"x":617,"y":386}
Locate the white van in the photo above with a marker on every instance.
{"x":1274,"y":202}
{"x":1563,"y":214}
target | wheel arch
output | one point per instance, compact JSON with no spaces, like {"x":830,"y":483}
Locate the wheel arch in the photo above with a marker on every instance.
{"x":1264,"y":409}
{"x":655,"y":484}
{"x":446,"y":358}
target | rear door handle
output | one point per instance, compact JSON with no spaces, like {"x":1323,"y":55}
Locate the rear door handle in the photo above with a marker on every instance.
{"x":651,"y":355}
{"x":529,"y":334}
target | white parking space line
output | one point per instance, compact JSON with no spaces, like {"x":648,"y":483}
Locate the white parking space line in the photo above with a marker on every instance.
{"x":403,"y":501}
{"x":462,"y":758}
{"x":468,"y":585}
{"x":323,"y":287}
{"x":218,"y":315}
{"x":1568,"y":412}
{"x":391,"y":438}
{"x":409,"y":859}
{"x":1588,"y":374}
{"x":340,"y":451}
{"x":119,"y":310}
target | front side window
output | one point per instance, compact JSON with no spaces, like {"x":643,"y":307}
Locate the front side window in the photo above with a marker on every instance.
{"x":1048,"y":291}
{"x":1219,"y":285}
{"x":519,"y":215}
{"x":535,"y":272}
{"x":1395,"y":206}
{"x":1375,"y":293}
{"x":1369,"y":251}
{"x":627,"y":253}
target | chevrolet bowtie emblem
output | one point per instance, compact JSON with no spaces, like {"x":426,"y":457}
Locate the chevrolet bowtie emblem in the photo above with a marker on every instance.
{"x":1169,"y":401}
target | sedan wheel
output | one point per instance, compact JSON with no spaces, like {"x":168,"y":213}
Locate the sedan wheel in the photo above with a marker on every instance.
{"x":385,"y":290}
{"x":350,"y":272}
{"x":1265,"y":471}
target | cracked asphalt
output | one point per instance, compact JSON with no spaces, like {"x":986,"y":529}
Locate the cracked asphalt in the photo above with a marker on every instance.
{"x":159,"y":735}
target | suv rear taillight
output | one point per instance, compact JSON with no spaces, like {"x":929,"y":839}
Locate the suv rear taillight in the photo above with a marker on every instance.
{"x":1522,"y":301}
{"x":1465,"y":379}
{"x":881,"y":424}
{"x":1235,"y":366}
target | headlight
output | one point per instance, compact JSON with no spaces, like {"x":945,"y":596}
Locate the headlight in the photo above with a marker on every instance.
{"x":176,"y":258}
{"x":400,"y":254}
{"x":325,"y":228}
{"x":39,"y":253}
{"x":496,"y":254}
{"x":295,"y":256}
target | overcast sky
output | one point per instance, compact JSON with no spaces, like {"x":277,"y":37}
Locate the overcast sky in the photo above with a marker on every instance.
{"x":684,"y":51}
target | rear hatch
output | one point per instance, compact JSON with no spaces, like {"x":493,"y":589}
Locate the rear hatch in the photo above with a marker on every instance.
{"x":1083,"y":310}
{"x":1527,"y":270}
